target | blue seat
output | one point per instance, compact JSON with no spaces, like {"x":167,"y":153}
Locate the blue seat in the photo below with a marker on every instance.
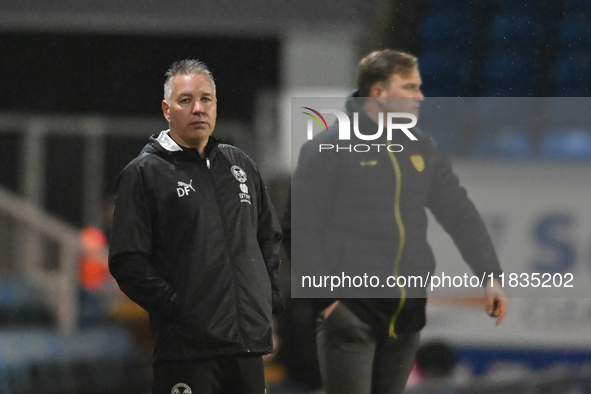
{"x":572,"y":71}
{"x":503,"y":127}
{"x":567,"y":113}
{"x":449,"y":4}
{"x":492,"y":89}
{"x":566,"y":145}
{"x":446,"y":63}
{"x":482,"y":145}
{"x":577,"y":6}
{"x":443,"y":119}
{"x":445,"y":90}
{"x":505,"y":113}
{"x":523,"y":7}
{"x":574,"y":32}
{"x":514,"y":144}
{"x":444,"y":72}
{"x":573,"y":91}
{"x":508,"y":143}
{"x":447,"y":30}
{"x":506,"y":74}
{"x":516,"y":32}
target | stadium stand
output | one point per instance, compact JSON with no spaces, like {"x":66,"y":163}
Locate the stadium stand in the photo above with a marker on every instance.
{"x":503,"y":48}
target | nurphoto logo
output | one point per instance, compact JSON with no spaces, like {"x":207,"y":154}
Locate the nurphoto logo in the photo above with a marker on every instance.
{"x":345,"y":130}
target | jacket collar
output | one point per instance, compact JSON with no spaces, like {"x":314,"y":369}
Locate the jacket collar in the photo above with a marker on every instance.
{"x":167,"y":142}
{"x":164,"y":144}
{"x":355,"y":103}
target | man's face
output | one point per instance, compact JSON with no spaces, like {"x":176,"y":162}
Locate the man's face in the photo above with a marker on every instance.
{"x":191,"y":110}
{"x":405,"y":86}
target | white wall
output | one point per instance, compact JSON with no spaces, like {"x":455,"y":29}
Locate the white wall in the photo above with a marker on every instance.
{"x":539,"y":217}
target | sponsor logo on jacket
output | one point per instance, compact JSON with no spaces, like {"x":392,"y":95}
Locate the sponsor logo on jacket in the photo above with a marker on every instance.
{"x":241,"y":177}
{"x":181,"y":388}
{"x":183,"y":188}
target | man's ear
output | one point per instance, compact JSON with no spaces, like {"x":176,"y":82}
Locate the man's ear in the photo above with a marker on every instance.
{"x":376,"y":90}
{"x":166,"y":110}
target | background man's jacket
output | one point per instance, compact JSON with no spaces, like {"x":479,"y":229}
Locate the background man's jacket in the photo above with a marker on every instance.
{"x":364,"y":212}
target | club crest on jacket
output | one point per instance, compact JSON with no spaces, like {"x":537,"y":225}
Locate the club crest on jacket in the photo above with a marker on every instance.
{"x":239,"y":174}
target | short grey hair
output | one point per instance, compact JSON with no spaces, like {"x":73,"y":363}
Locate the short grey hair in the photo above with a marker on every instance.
{"x":185,"y":67}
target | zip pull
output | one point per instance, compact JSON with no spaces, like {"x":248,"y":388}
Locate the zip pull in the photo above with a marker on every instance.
{"x":207,"y":161}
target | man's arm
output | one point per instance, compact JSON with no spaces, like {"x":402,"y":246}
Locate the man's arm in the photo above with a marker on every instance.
{"x":269,"y":238}
{"x":449,"y":203}
{"x":496,"y":302}
{"x":131,"y":248}
{"x":312,"y":201}
{"x":313,"y":195}
{"x":286,"y":227}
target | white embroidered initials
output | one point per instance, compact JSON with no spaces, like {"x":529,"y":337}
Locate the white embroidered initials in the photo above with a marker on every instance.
{"x":184,"y":188}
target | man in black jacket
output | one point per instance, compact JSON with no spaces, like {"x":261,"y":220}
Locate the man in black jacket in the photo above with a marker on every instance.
{"x":364,"y":211}
{"x":195,"y":242}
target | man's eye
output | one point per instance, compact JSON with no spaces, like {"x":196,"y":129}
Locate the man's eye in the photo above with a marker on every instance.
{"x":207,"y":99}
{"x":185,"y":100}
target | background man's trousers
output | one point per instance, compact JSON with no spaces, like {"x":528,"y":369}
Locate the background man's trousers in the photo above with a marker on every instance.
{"x":353,"y":361}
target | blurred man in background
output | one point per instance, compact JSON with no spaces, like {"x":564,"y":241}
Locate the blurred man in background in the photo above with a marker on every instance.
{"x":195,"y":242}
{"x":368,"y":209}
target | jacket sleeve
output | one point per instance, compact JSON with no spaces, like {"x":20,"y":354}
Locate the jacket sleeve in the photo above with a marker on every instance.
{"x":312,"y":201}
{"x":313,"y":197}
{"x":449,"y":203}
{"x":269,"y":237}
{"x":130,"y":248}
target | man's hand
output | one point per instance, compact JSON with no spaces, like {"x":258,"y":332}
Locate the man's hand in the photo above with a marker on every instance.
{"x":328,"y":310}
{"x":496,"y":303}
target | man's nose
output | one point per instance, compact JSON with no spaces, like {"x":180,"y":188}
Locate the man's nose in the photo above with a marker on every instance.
{"x":198,"y":107}
{"x":420,"y":95}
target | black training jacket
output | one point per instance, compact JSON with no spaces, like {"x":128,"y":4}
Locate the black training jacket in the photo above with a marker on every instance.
{"x":365,"y":211}
{"x":195,"y":242}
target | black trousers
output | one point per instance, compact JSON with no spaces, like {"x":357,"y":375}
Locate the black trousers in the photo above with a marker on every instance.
{"x":353,"y":361}
{"x":237,"y":374}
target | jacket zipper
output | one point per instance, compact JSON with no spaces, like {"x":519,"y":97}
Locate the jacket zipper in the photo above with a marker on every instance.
{"x":401,"y":242}
{"x":207,"y":162}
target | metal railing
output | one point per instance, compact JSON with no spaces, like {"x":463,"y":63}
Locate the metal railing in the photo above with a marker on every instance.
{"x":45,"y":251}
{"x":37,"y":246}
